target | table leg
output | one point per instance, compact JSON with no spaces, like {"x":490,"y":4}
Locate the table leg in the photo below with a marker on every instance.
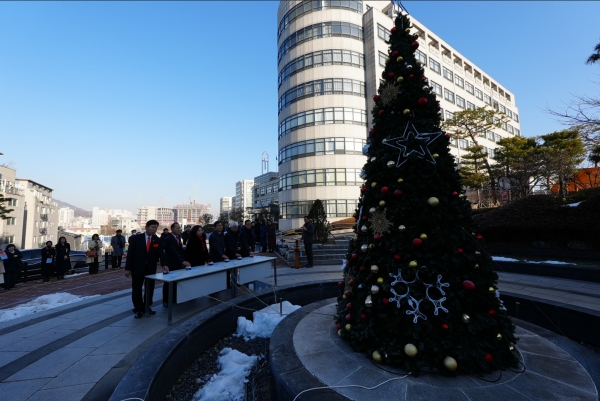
{"x":232,"y":281}
{"x":170,"y":302}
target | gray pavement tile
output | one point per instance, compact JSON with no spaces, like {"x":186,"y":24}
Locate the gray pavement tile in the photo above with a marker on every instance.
{"x":51,"y":365}
{"x":98,"y":338}
{"x":33,"y":329}
{"x":89,"y":369}
{"x":7,"y":357}
{"x":123,"y":344}
{"x":69,"y":393}
{"x":21,"y":391}
{"x":39,"y":340}
{"x":84,"y":321}
{"x":100,"y":308}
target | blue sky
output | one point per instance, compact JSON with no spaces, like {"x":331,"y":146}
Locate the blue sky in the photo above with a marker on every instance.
{"x":110,"y":102}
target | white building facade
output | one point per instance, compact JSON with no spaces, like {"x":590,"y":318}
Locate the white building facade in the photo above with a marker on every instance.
{"x":330,"y":58}
{"x":40,"y":214}
{"x":225,"y":204}
{"x":66,"y":217}
{"x":164,"y":215}
{"x":243,"y":194}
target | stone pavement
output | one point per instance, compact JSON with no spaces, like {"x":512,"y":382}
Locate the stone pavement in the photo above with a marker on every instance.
{"x":82,"y":350}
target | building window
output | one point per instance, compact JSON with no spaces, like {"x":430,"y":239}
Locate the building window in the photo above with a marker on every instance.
{"x":459,"y":81}
{"x":420,"y":56}
{"x":487,"y":99}
{"x":460,"y":102}
{"x":10,"y":239}
{"x":382,"y":59}
{"x":437,"y":88}
{"x":470,"y":106}
{"x":469,"y":88}
{"x":448,"y":74}
{"x":448,"y":95}
{"x":454,"y":142}
{"x":11,"y":221}
{"x":383,"y":33}
{"x":320,"y":177}
{"x":323,"y":146}
{"x":491,"y":136}
{"x":516,"y":117}
{"x":509,"y":113}
{"x":511,"y":130}
{"x":309,"y":6}
{"x":517,"y":132}
{"x":502,"y":109}
{"x":317,"y":31}
{"x":334,"y":208}
{"x":481,"y":133}
{"x":441,"y":113}
{"x":449,"y":115}
{"x":464,"y":144}
{"x":330,"y":115}
{"x":504,"y":126}
{"x":322,"y":87}
{"x":478,"y":94}
{"x":319,"y":59}
{"x":434,"y":65}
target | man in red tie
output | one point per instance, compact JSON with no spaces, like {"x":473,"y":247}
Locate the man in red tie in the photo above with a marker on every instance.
{"x":145,"y":251}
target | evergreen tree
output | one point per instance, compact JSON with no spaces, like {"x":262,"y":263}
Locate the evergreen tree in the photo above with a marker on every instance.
{"x":473,"y":172}
{"x":4,"y":211}
{"x":319,"y":219}
{"x":519,"y":160}
{"x":419,"y":290}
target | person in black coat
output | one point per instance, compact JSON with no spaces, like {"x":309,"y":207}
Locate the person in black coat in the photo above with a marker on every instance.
{"x":145,"y":251}
{"x":185,"y":234}
{"x":216,"y":241}
{"x":11,"y":266}
{"x":174,"y":257}
{"x":48,"y":255}
{"x":257,"y":235}
{"x":196,"y":251}
{"x":308,"y":230}
{"x":63,"y":261}
{"x":247,"y":239}
{"x":232,"y":241}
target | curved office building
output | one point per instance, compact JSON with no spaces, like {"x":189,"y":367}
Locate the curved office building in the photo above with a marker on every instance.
{"x":330,"y":55}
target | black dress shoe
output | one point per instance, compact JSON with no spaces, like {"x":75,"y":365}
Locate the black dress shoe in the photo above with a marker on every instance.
{"x":151,"y":311}
{"x":137,"y":315}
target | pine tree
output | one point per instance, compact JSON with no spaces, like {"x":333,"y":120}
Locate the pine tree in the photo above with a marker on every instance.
{"x":419,"y":290}
{"x":319,"y":219}
{"x":473,"y":172}
{"x":4,"y":211}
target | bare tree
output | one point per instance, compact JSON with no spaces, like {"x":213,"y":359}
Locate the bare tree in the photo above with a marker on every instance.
{"x":207,"y":218}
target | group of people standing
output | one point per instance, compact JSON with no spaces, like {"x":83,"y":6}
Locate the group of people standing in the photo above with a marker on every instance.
{"x":10,"y":259}
{"x":56,"y":259}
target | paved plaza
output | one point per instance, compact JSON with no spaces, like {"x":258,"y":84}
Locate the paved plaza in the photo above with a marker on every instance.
{"x":81,"y":351}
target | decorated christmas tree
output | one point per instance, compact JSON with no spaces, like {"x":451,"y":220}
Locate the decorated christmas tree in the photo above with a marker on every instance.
{"x":419,"y":291}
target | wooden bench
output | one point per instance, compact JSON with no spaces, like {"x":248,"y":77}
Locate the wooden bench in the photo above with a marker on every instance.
{"x":200,"y":281}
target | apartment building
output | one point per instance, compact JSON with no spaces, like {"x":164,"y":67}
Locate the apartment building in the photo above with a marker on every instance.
{"x":40,"y":214}
{"x":11,"y":229}
{"x":164,"y":215}
{"x":190,"y":213}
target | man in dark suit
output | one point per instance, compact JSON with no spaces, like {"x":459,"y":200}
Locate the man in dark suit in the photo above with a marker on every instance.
{"x":216,"y":241}
{"x":308,"y":230}
{"x":174,"y":257}
{"x":145,"y":251}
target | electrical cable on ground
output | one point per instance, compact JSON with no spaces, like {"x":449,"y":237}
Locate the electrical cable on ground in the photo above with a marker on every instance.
{"x":349,"y":386}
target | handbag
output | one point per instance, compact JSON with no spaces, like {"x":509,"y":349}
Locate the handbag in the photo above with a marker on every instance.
{"x":91,"y":253}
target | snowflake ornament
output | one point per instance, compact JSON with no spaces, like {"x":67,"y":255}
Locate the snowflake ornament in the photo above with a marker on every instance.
{"x":379,"y":224}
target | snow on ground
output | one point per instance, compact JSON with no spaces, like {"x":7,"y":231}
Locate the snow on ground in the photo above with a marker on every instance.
{"x":549,"y":262}
{"x":45,"y":302}
{"x":228,"y":384}
{"x":503,"y":259}
{"x":74,"y":275}
{"x":573,"y":204}
{"x":265,"y":321}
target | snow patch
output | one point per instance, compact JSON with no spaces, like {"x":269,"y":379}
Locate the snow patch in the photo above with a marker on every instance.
{"x":573,"y":204}
{"x":45,"y":302}
{"x":550,"y":262}
{"x":74,"y":275}
{"x":503,"y":259}
{"x":228,"y":384}
{"x":264,"y":321}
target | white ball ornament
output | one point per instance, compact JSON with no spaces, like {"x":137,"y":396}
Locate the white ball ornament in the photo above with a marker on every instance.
{"x":450,"y":363}
{"x":377,"y":357}
{"x":391,"y":164}
{"x":364,"y":247}
{"x":372,"y":210}
{"x":374,"y":268}
{"x":364,"y":229}
{"x":433,"y":201}
{"x":374,"y":289}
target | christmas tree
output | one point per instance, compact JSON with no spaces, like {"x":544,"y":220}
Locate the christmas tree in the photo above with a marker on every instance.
{"x":419,"y":291}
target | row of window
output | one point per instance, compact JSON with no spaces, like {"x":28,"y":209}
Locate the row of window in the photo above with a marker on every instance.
{"x":465,"y":144}
{"x":9,"y":239}
{"x":321,"y":58}
{"x":320,"y":177}
{"x":383,"y":33}
{"x":320,"y":87}
{"x":317,"y":31}
{"x":505,"y":126}
{"x":12,"y":202}
{"x":324,"y":146}
{"x":309,"y":6}
{"x":11,"y":221}
{"x":265,"y":189}
{"x":330,"y":115}
{"x":334,"y":208}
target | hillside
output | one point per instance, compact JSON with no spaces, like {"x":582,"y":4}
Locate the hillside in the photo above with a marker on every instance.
{"x":78,"y":211}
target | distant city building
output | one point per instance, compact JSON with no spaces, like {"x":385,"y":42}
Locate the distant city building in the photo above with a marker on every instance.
{"x":40,"y":215}
{"x":11,"y":229}
{"x":190,"y":213}
{"x":225,"y":204}
{"x":99,"y":216}
{"x":66,"y":217}
{"x":164,"y":215}
{"x":265,"y":190}
{"x":243,"y":194}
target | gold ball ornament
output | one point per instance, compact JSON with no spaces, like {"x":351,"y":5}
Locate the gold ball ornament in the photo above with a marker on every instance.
{"x":413,"y":264}
{"x":355,"y":238}
{"x":400,"y":180}
{"x":373,"y":184}
{"x":374,"y":268}
{"x":372,"y":210}
{"x":423,"y":236}
{"x":433,"y":201}
{"x":499,"y":337}
{"x":377,"y":357}
{"x":368,"y":301}
{"x":491,"y":289}
{"x":399,"y":59}
{"x":340,"y":332}
{"x":435,"y":155}
{"x":371,"y":246}
{"x":380,"y":280}
{"x":407,"y":30}
{"x":476,"y":266}
{"x":410,"y":350}
{"x":450,"y":363}
{"x":382,"y":203}
{"x":387,"y":60}
{"x":348,"y":327}
{"x":374,"y":289}
{"x":406,"y":111}
{"x":399,"y":80}
{"x":344,"y":296}
{"x":466,"y":318}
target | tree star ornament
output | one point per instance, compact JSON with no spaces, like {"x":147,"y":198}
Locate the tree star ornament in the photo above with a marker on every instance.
{"x":379,"y":224}
{"x":412,"y":142}
{"x":388,"y":93}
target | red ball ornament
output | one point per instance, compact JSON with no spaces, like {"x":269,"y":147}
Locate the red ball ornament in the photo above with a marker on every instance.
{"x":454,"y":193}
{"x":444,"y":326}
{"x":375,"y":98}
{"x":479,"y":236}
{"x":362,"y":269}
{"x":384,"y":190}
{"x":354,"y":256}
{"x":397,"y":193}
{"x":357,"y":231}
{"x":417,"y":242}
{"x":364,"y":218}
{"x":340,"y":284}
{"x":349,"y":306}
{"x":492,"y":312}
{"x":439,"y":107}
{"x":372,"y":132}
{"x":411,"y":76}
{"x":377,"y":237}
{"x":348,"y":317}
{"x":363,"y":188}
{"x":351,"y":284}
{"x":338,"y":326}
{"x":460,"y":251}
{"x":363,"y":316}
{"x":422,"y":101}
{"x":489,"y":358}
{"x":447,"y":136}
{"x":423,"y":78}
{"x":397,"y":257}
{"x":468,"y":285}
{"x":414,"y":45}
{"x":391,"y":74}
{"x":381,"y":112}
{"x":347,"y":293}
{"x":393,"y":30}
{"x":395,"y":53}
{"x":385,"y":301}
{"x":347,"y":263}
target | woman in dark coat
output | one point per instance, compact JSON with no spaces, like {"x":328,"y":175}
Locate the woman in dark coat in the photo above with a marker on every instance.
{"x":48,"y":256}
{"x":271,"y":238}
{"x":63,"y":261}
{"x":195,"y":251}
{"x":263,"y":236}
{"x":11,"y":266}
